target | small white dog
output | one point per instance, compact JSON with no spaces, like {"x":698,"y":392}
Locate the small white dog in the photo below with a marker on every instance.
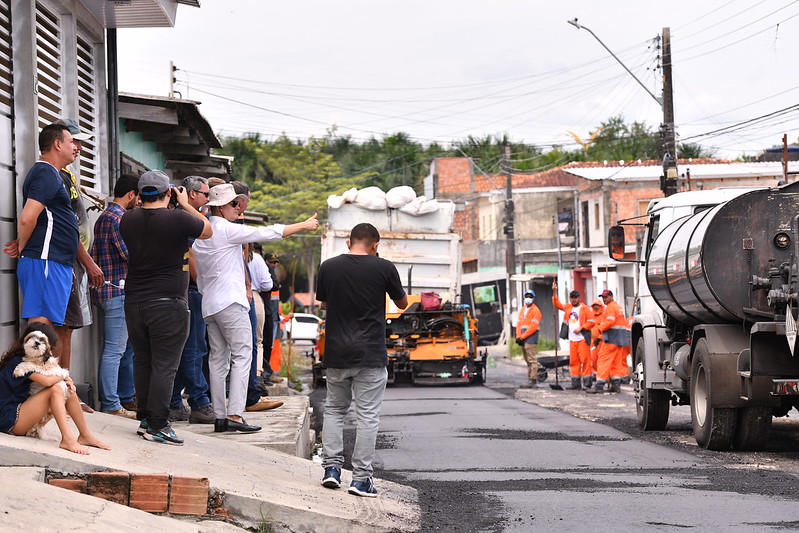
{"x":39,"y":358}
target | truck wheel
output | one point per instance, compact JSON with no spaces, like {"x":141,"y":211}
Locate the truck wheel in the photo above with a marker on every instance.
{"x":651,"y":405}
{"x":754,"y":424}
{"x":478,"y":377}
{"x":714,"y":427}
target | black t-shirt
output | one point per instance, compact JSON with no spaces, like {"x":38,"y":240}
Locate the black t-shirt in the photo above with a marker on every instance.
{"x":158,"y":252}
{"x":354,"y":288}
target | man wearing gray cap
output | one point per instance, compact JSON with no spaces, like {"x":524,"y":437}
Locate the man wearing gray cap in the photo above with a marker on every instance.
{"x":85,"y":272}
{"x":156,"y":308}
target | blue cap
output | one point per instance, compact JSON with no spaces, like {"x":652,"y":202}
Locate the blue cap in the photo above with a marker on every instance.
{"x":529,"y":293}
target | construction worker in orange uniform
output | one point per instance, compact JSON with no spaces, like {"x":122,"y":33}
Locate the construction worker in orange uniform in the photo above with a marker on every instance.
{"x":592,"y":322}
{"x":615,"y":336}
{"x":574,"y":317}
{"x":527,"y":336}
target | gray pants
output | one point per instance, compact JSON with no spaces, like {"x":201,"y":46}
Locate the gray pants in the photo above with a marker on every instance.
{"x":366,"y":386}
{"x":230,"y":339}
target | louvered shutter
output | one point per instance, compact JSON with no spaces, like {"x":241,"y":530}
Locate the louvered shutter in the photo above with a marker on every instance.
{"x":88,"y":112}
{"x":48,"y":66}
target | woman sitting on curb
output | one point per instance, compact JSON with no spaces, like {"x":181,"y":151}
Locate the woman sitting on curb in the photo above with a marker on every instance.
{"x":19,"y":411}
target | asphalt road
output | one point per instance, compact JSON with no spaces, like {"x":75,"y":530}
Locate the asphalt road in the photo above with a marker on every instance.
{"x":499,"y":459}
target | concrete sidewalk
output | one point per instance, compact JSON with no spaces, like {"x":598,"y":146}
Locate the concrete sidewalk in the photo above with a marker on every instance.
{"x":257,"y":478}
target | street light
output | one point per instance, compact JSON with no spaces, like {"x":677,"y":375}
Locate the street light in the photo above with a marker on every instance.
{"x":668,"y":182}
{"x":586,"y":28}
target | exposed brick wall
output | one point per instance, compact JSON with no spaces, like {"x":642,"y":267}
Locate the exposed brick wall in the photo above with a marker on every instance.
{"x":453,"y":176}
{"x":154,"y":493}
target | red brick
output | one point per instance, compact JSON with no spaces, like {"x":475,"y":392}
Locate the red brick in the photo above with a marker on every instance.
{"x":189,"y":495}
{"x":75,"y":485}
{"x":150,"y":492}
{"x":111,"y":486}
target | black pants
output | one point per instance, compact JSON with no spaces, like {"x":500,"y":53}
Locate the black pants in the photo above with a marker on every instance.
{"x":157,"y":329}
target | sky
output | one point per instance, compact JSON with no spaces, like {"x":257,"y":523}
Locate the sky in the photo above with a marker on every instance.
{"x":441,"y":70}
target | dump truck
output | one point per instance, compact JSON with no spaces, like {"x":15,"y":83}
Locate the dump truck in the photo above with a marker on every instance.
{"x":715,"y":326}
{"x":424,"y":345}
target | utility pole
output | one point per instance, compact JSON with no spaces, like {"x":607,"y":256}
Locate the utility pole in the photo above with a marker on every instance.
{"x":507,"y":227}
{"x":668,"y":182}
{"x":668,"y":143}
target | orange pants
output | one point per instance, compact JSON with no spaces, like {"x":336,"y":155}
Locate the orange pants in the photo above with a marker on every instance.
{"x":621,"y":365}
{"x":579,"y":359}
{"x":609,"y":362}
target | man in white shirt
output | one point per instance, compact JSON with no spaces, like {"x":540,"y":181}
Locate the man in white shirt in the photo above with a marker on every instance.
{"x":220,"y":278}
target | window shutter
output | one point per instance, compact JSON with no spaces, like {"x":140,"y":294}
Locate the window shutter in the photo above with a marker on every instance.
{"x":48,"y":66}
{"x":88,"y":113}
{"x":6,"y":78}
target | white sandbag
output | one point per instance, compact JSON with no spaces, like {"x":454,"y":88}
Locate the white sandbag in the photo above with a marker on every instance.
{"x":420,"y":206}
{"x":350,"y":194}
{"x":335,"y":201}
{"x":399,"y":196}
{"x":372,"y":198}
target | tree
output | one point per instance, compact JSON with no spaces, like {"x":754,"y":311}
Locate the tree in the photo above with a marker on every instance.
{"x":620,"y":141}
{"x":249,"y":164}
{"x":694,"y":150}
{"x":301,"y":177}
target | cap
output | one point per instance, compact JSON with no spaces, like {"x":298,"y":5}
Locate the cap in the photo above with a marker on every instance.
{"x":606,"y":293}
{"x":574,"y":294}
{"x":74,"y":129}
{"x":531,"y":293}
{"x":153,"y":182}
{"x":271,"y":257}
{"x":223,"y":194}
{"x":598,"y":302}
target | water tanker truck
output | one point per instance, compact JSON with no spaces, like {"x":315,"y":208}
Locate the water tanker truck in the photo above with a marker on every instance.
{"x":715,"y":326}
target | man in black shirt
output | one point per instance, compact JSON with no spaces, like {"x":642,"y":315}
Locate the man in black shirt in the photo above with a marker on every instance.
{"x":156,"y":311}
{"x":352,"y":288}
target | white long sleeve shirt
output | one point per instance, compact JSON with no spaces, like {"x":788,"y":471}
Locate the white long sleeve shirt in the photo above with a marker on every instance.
{"x":220,"y":266}
{"x":260,"y":279}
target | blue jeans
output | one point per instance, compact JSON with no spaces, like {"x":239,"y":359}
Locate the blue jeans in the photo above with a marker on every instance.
{"x":158,"y":330}
{"x":117,"y":357}
{"x":366,"y":387}
{"x":190,"y":372}
{"x":253,"y":389}
{"x":125,"y":387}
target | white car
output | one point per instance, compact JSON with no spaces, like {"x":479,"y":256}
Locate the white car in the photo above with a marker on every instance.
{"x":303,"y":327}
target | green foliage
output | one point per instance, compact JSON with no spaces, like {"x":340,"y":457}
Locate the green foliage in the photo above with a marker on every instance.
{"x":696,"y":151}
{"x":395,"y":160}
{"x":289,"y":181}
{"x":620,"y":141}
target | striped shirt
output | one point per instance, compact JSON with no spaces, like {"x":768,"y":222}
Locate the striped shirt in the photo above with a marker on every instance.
{"x":109,"y":252}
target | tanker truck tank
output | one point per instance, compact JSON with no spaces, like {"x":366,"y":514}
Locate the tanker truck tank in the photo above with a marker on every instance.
{"x":701,"y":268}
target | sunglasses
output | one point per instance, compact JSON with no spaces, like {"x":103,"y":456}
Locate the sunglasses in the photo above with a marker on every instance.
{"x":234,"y":203}
{"x":206,"y":193}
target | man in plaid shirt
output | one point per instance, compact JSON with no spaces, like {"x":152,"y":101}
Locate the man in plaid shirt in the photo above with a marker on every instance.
{"x":111,"y":255}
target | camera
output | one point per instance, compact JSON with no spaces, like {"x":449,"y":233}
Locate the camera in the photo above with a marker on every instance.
{"x":173,"y":197}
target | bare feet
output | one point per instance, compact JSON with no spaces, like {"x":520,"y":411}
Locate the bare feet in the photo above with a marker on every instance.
{"x":74,"y":447}
{"x":91,"y":440}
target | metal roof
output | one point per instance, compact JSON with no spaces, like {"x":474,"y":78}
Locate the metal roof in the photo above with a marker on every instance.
{"x":699,"y":171}
{"x":136,"y":13}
